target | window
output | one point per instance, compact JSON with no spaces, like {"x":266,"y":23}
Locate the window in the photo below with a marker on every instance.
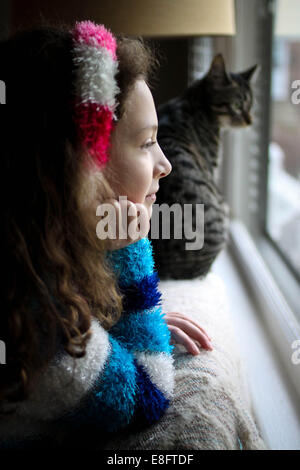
{"x":283,"y":206}
{"x":250,"y":182}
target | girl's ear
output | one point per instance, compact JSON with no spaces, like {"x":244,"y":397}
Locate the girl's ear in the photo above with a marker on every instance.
{"x":217,"y":72}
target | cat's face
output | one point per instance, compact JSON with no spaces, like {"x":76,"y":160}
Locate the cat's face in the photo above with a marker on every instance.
{"x":230,"y":95}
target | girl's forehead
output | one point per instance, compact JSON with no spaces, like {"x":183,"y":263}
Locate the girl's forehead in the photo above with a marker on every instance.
{"x":139,"y":108}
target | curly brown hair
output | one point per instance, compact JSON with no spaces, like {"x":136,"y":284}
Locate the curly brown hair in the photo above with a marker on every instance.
{"x":54,"y":273}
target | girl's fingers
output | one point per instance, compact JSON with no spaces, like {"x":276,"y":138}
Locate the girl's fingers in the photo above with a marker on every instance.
{"x":131,"y":220}
{"x":180,"y":337}
{"x":143,"y":220}
{"x":171,"y":315}
{"x":183,"y":316}
{"x":135,"y":223}
{"x":191,"y":331}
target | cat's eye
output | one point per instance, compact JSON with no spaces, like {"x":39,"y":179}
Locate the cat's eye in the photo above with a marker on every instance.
{"x":237,"y":105}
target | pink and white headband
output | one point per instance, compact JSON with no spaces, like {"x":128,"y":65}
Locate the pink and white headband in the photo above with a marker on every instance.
{"x":94,"y":56}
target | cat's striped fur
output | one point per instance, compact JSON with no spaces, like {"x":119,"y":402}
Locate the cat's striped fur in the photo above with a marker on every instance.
{"x":189,"y":135}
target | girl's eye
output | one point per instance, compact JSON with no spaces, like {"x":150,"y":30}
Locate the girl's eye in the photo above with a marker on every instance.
{"x":149,"y":144}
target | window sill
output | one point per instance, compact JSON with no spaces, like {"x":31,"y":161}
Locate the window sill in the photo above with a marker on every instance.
{"x":274,"y":395}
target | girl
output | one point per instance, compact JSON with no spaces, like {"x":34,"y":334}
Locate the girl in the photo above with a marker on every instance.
{"x":86,"y":343}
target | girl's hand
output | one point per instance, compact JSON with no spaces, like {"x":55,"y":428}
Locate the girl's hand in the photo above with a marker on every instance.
{"x":129,"y":222}
{"x":187,"y":332}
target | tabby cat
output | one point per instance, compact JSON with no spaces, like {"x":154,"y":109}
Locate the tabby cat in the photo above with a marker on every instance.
{"x":189,"y":135}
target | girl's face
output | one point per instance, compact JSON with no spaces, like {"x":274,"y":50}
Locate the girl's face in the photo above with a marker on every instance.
{"x":136,"y":161}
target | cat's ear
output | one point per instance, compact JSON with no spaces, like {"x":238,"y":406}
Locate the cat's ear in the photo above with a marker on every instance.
{"x":217,"y":72}
{"x":248,"y":74}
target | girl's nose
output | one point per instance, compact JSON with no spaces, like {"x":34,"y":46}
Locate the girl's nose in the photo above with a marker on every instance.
{"x":163,"y":167}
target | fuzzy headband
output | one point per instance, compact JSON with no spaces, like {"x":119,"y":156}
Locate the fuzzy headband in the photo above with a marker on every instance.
{"x":96,"y":64}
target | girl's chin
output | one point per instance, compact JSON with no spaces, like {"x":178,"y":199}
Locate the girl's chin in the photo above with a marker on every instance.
{"x":151,"y":198}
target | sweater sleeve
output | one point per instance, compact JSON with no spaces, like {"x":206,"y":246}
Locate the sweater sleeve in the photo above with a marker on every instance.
{"x":121,"y":390}
{"x":142,"y":327}
{"x":107,"y":388}
{"x":126,"y":373}
{"x":138,"y":379}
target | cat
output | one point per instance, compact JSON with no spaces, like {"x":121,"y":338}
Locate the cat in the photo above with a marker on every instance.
{"x":189,"y":135}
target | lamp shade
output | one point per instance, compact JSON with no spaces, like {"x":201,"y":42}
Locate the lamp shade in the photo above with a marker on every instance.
{"x":164,"y":18}
{"x":148,"y":18}
{"x":287,"y":18}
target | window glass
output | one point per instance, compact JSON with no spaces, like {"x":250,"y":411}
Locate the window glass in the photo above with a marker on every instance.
{"x":283,"y":209}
